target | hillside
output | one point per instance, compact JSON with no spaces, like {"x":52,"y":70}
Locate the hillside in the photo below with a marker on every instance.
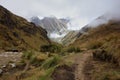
{"x":18,"y":33}
{"x":106,"y":37}
{"x":104,"y":41}
{"x":73,"y":35}
{"x":101,"y":34}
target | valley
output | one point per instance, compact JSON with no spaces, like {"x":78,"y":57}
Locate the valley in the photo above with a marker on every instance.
{"x":28,"y":52}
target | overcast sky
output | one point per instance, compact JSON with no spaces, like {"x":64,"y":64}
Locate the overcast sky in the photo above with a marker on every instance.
{"x":81,"y":12}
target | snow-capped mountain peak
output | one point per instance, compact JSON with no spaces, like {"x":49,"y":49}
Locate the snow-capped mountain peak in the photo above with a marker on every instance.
{"x":52,"y":25}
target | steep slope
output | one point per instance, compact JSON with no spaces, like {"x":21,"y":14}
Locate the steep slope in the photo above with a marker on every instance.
{"x":100,"y":33}
{"x":52,"y":25}
{"x":104,"y":40}
{"x":101,"y":20}
{"x":18,"y":33}
{"x":105,"y":37}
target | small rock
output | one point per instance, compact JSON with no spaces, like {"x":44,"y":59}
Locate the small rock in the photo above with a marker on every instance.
{"x":4,"y":66}
{"x":1,"y":71}
{"x":13,"y":65}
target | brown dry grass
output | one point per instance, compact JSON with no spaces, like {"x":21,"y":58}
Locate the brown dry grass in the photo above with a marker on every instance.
{"x":18,"y":33}
{"x":107,"y":38}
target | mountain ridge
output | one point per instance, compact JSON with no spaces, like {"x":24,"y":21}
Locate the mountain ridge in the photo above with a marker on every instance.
{"x":17,"y":32}
{"x":99,"y":21}
{"x":52,"y":25}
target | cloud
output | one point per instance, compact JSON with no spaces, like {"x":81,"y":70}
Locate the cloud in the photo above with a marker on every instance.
{"x":80,"y":11}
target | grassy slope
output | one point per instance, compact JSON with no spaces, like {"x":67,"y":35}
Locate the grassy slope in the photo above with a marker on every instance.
{"x":18,"y":33}
{"x":105,"y":37}
{"x":99,"y":32}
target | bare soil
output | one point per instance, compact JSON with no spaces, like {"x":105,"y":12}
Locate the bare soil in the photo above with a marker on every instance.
{"x":78,"y":71}
{"x":81,"y":63}
{"x":63,"y":73}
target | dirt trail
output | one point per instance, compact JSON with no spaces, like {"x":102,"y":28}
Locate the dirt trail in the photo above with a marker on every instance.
{"x":80,"y":61}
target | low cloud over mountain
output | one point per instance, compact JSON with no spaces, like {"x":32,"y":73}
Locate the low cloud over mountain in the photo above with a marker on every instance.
{"x":81,"y":12}
{"x":55,"y":27}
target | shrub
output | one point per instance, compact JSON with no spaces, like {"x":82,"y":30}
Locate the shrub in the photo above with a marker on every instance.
{"x":27,"y":55}
{"x":48,"y":74}
{"x":49,"y":66}
{"x":108,"y":75}
{"x":63,"y":53}
{"x":103,"y":55}
{"x":34,"y":58}
{"x":73,"y":49}
{"x":94,"y":44}
{"x":51,"y":62}
{"x":52,"y":48}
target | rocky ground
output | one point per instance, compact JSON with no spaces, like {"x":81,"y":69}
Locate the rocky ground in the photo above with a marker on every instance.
{"x":6,"y":57}
{"x":9,"y":59}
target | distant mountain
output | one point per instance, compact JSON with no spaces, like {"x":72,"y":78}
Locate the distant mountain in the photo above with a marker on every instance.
{"x":52,"y":25}
{"x":18,"y":33}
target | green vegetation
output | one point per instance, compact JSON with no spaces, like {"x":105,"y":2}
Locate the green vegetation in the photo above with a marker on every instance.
{"x":50,"y":65}
{"x":34,"y":58}
{"x":48,"y":74}
{"x":51,"y":62}
{"x":41,"y":67}
{"x":52,"y":48}
{"x":94,"y":44}
{"x":73,"y":49}
{"x":106,"y":71}
{"x":27,"y":55}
